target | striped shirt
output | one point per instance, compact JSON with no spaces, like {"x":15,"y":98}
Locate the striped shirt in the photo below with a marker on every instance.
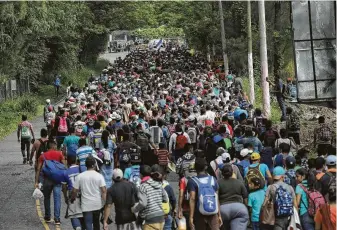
{"x":82,"y":153}
{"x":163,"y":155}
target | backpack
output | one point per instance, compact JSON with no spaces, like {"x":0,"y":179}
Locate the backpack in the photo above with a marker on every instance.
{"x":192,"y":133}
{"x":142,"y":141}
{"x":293,"y":91}
{"x":54,"y":170}
{"x":166,"y":205}
{"x":228,"y":143}
{"x":283,"y":202}
{"x":71,"y":150}
{"x":43,"y":148}
{"x":187,"y":167}
{"x":324,"y":133}
{"x":332,"y":185}
{"x":241,"y":169}
{"x":315,"y":200}
{"x":135,"y":155}
{"x":63,"y":127}
{"x":269,"y":138}
{"x":135,"y":176}
{"x":254,"y":172}
{"x":106,"y":157}
{"x":207,"y":202}
{"x":25,"y":132}
{"x":294,"y":122}
{"x":181,"y":141}
{"x":292,"y":180}
{"x":97,"y":139}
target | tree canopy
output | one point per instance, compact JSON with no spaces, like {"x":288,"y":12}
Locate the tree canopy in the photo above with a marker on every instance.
{"x":39,"y":39}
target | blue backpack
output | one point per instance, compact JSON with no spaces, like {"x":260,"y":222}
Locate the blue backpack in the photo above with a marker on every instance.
{"x":207,"y":203}
{"x":54,"y":170}
{"x":283,"y":202}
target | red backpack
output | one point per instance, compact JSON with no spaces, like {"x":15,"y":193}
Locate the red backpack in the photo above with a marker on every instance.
{"x":63,"y":127}
{"x":181,"y":141}
{"x":315,"y":200}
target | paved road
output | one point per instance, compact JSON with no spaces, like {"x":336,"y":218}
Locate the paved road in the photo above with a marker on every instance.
{"x":18,"y":208}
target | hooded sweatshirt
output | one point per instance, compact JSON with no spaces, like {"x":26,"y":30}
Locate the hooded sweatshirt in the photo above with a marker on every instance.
{"x":151,"y":195}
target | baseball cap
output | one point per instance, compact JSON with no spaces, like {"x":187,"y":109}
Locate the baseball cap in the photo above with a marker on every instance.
{"x":117,"y":174}
{"x":290,"y":160}
{"x":278,"y":172}
{"x":220,"y":151}
{"x":255,"y":156}
{"x":245,"y":152}
{"x":226,"y":157}
{"x":331,"y":160}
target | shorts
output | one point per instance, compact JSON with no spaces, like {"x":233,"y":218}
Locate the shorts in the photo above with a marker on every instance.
{"x":156,"y":226}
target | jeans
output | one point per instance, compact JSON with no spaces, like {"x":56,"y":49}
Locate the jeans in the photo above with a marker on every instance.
{"x":307,"y":222}
{"x":255,"y":225}
{"x":77,"y":223}
{"x":234,"y":216}
{"x":281,"y":223}
{"x":49,"y":187}
{"x":168,"y":223}
{"x":91,"y":220}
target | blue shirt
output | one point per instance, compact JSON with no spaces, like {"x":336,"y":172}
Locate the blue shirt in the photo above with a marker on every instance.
{"x":304,"y":199}
{"x":57,"y":81}
{"x":255,"y":201}
{"x":128,"y":171}
{"x":82,"y":153}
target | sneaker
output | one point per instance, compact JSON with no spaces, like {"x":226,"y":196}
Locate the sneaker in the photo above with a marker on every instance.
{"x":24,"y":160}
{"x":57,"y":222}
{"x":47,"y":219}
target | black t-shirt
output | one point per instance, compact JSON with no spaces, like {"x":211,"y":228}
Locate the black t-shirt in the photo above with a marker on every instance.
{"x":123,"y":194}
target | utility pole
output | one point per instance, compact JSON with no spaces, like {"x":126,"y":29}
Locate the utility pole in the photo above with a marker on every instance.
{"x":264,"y":60}
{"x":223,"y":39}
{"x":250,"y":55}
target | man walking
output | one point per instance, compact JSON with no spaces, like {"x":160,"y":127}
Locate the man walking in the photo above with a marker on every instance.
{"x":49,"y":185}
{"x":123,"y":195}
{"x":25,"y":132}
{"x":93,"y":194}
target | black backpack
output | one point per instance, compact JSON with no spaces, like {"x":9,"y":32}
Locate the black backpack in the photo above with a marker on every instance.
{"x":292,"y":180}
{"x":43,"y":148}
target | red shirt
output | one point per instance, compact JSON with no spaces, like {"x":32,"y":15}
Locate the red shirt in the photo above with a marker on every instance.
{"x":183,"y":187}
{"x":52,"y":155}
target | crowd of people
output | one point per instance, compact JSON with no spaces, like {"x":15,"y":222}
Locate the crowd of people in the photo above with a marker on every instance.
{"x":114,"y":142}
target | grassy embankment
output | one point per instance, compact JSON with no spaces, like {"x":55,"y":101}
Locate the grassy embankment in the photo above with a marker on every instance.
{"x":32,"y":104}
{"x":275,"y":110}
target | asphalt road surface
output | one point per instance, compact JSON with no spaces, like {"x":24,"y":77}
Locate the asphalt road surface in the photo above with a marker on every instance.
{"x":19,"y":210}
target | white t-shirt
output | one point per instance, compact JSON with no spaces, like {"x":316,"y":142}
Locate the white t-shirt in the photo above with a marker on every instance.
{"x":90,"y":183}
{"x":210,"y":115}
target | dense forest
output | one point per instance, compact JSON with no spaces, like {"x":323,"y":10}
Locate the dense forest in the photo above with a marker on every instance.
{"x":39,"y":39}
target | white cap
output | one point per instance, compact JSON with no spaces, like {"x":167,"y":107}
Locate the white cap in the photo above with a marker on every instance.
{"x":48,"y":101}
{"x":117,"y":174}
{"x":245,"y":152}
{"x":226,"y":157}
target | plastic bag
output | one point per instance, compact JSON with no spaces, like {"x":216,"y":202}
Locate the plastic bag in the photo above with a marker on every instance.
{"x":37,"y":194}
